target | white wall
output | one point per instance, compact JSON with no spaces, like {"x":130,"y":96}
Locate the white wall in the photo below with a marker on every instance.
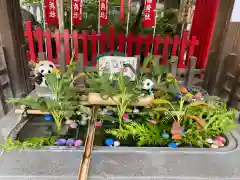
{"x":236,"y":12}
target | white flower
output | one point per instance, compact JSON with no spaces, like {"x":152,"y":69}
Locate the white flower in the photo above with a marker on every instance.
{"x":148,"y":84}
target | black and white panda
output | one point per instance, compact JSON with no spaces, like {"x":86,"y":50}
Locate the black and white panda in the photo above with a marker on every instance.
{"x":43,"y":68}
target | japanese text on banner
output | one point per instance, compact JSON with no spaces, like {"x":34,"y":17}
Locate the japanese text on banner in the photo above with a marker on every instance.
{"x":50,"y":9}
{"x":77,"y":12}
{"x":149,"y":14}
{"x":103,"y":11}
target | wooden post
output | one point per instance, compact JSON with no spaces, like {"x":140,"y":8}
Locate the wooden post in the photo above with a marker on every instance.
{"x":60,"y":12}
{"x":12,"y":39}
{"x":191,"y":69}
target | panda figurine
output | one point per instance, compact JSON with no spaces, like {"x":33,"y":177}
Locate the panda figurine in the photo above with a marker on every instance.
{"x":42,"y":68}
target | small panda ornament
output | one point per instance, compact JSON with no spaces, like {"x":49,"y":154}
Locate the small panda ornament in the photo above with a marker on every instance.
{"x":148,"y":84}
{"x":43,"y":68}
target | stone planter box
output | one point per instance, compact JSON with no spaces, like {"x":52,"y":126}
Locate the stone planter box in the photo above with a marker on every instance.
{"x":62,"y":163}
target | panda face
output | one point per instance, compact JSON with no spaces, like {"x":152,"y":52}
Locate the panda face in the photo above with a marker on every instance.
{"x":45,"y":69}
{"x":148,"y":84}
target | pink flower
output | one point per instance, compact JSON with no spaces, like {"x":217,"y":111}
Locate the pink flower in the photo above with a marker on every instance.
{"x":125,"y":116}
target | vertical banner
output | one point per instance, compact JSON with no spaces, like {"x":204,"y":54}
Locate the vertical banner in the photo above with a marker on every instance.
{"x":149,"y":14}
{"x":50,"y":9}
{"x":122,"y":10}
{"x":77,"y":12}
{"x":103,"y":11}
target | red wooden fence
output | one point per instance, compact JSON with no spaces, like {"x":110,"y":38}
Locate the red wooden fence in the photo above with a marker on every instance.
{"x":109,"y":42}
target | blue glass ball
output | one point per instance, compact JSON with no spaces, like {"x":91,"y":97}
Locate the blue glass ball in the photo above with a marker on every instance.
{"x":48,"y":117}
{"x":173,"y":145}
{"x":109,"y":142}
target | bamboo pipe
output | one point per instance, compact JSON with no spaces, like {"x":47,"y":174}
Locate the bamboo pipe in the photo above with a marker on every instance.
{"x":95,"y":98}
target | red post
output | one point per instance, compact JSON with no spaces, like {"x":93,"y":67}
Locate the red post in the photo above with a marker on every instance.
{"x":84,"y":38}
{"x":139,"y":42}
{"x":75,"y":44}
{"x":67,"y":46}
{"x":39,"y":35}
{"x":31,"y":42}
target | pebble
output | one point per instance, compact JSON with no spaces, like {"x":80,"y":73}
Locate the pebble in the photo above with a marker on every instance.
{"x":173,"y":145}
{"x":218,"y":143}
{"x":209,"y":141}
{"x":165,"y":135}
{"x":69,"y":122}
{"x":214,"y":146}
{"x":60,"y":142}
{"x":78,"y":143}
{"x":221,"y":138}
{"x":74,"y":125}
{"x":125,"y":116}
{"x":83,"y":122}
{"x":198,"y":95}
{"x":99,"y":124}
{"x":48,"y":117}
{"x":109,"y":142}
{"x":70,"y":142}
{"x":135,"y":110}
{"x":116,"y":143}
{"x":126,"y":121}
{"x":152,"y":122}
{"x":183,"y":90}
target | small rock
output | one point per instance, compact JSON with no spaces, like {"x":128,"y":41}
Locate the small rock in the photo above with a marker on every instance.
{"x":74,"y":125}
{"x":109,"y":142}
{"x":209,"y":141}
{"x":172,"y":145}
{"x":126,"y":121}
{"x":198,"y":95}
{"x":125,"y":116}
{"x":165,"y":135}
{"x":218,"y":143}
{"x":116,"y":143}
{"x":83,"y":122}
{"x":221,"y":138}
{"x":78,"y":143}
{"x":69,"y":122}
{"x":214,"y":146}
{"x":183,"y":90}
{"x":60,"y":142}
{"x":48,"y":117}
{"x":152,"y":122}
{"x":70,"y":142}
{"x":135,"y":110}
{"x":99,"y":124}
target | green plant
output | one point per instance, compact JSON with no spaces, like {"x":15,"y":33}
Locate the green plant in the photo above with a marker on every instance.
{"x":29,"y":143}
{"x":144,"y":134}
{"x":126,"y":91}
{"x":64,"y":99}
